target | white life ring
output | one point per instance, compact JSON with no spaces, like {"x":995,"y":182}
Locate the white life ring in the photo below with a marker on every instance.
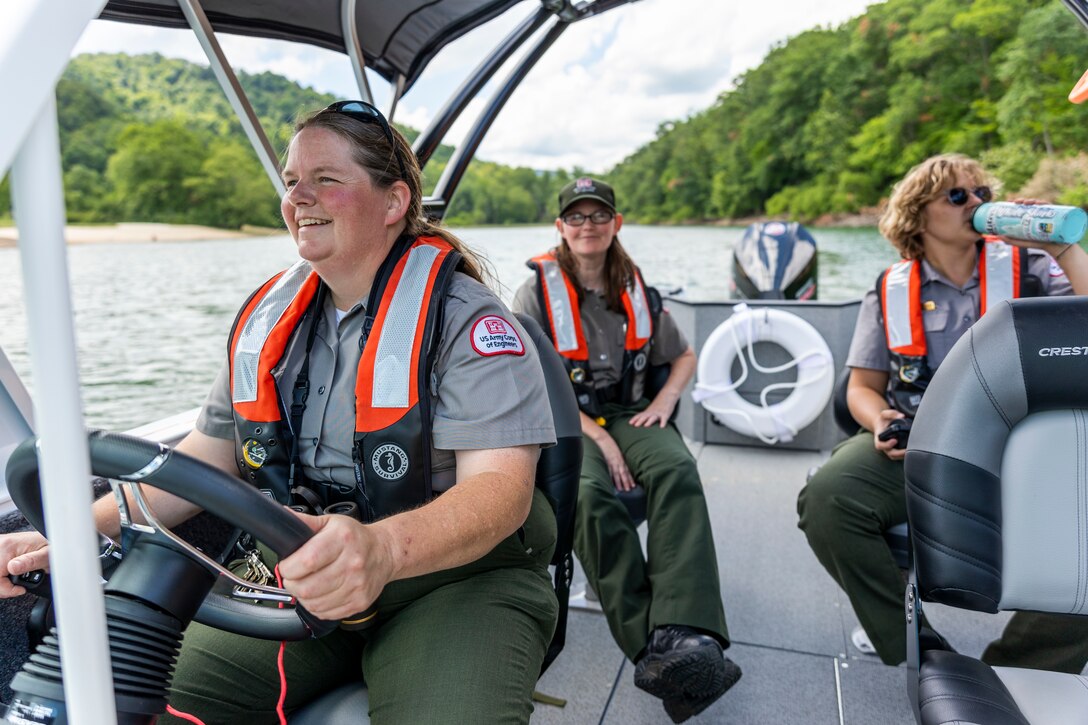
{"x":811,"y":391}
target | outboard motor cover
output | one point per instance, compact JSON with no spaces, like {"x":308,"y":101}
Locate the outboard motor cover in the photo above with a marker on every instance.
{"x":775,"y":261}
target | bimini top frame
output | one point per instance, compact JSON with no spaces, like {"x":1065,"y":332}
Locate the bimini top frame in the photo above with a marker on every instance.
{"x":394,"y":38}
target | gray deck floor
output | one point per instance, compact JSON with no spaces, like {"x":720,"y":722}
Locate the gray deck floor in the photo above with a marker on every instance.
{"x":789,"y":621}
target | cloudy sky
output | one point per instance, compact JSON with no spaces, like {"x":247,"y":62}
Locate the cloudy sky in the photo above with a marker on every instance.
{"x":598,"y":94}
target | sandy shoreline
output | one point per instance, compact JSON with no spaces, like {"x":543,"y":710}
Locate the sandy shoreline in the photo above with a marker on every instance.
{"x":142,"y":233}
{"x":147,"y":232}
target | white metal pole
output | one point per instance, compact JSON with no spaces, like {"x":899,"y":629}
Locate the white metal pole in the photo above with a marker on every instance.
{"x":38,"y":205}
{"x":350,"y":30}
{"x":36,"y":38}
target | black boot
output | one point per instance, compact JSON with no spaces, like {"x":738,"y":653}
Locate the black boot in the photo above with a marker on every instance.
{"x":687,"y":670}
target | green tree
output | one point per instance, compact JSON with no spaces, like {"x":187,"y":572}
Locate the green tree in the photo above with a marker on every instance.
{"x":149,"y":171}
{"x":232,"y":189}
{"x":5,"y":199}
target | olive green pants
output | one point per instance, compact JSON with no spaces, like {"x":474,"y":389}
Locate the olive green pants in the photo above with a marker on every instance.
{"x":677,"y":581}
{"x":844,"y":510}
{"x":463,"y":645}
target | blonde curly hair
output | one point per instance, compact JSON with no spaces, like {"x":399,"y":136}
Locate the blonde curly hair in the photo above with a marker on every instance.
{"x":902,"y":222}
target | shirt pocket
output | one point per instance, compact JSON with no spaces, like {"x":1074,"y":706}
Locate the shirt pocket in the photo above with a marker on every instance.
{"x":935,"y":320}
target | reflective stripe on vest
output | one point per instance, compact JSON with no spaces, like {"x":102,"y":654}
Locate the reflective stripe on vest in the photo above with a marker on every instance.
{"x":998,"y":274}
{"x":565,"y":315}
{"x":563,"y":311}
{"x":259,"y":342}
{"x":386,"y":384}
{"x":999,"y":280}
{"x":385,"y":395}
{"x":903,"y":309}
{"x":640,"y":326}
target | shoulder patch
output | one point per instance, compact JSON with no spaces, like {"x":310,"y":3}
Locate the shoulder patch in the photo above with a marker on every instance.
{"x":1056,"y":269}
{"x":492,"y":335}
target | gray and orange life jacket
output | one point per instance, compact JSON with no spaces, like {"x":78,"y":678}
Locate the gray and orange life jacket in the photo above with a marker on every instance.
{"x":559,"y":299}
{"x":1002,"y":273}
{"x":391,"y":450}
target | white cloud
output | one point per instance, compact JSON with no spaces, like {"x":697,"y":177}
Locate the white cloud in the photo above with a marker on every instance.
{"x":599,"y":93}
{"x":610,"y":82}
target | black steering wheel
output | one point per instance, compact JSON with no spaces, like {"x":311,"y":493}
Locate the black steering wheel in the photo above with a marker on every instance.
{"x":127,"y":458}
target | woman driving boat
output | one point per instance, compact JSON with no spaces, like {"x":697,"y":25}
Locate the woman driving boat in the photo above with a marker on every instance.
{"x":665,"y":609}
{"x":906,"y":326}
{"x":378,"y":342}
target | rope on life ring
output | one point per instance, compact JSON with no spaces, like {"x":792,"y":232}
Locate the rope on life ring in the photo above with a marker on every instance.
{"x":770,"y":423}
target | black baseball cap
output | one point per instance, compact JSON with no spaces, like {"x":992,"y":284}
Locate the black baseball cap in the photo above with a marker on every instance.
{"x":586,"y":188}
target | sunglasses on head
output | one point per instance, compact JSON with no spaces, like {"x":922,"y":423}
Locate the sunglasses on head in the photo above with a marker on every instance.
{"x":365,"y":113}
{"x":958,"y":196}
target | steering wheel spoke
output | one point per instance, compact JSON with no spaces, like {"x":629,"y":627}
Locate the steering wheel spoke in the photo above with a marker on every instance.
{"x":129,"y":463}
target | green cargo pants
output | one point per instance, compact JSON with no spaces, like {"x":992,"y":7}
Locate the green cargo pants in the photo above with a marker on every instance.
{"x":463,"y":645}
{"x":677,"y":582}
{"x":844,"y":511}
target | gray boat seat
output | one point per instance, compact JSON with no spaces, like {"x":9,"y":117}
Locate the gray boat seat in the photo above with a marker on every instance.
{"x":557,"y":475}
{"x":840,"y":411}
{"x":997,"y":495}
{"x":346,"y":705}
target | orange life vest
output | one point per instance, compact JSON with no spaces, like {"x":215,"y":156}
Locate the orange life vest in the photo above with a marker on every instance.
{"x":391,"y":451}
{"x":559,"y":300}
{"x":1002,"y":271}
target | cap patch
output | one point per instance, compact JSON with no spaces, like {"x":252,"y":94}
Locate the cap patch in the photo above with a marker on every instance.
{"x":492,"y":335}
{"x":583,"y":185}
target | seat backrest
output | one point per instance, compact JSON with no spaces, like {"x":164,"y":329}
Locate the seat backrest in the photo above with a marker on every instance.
{"x":840,"y":410}
{"x":558,"y":470}
{"x":997,"y":465}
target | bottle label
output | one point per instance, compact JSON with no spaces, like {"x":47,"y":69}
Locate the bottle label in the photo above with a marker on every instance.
{"x":1035,"y":222}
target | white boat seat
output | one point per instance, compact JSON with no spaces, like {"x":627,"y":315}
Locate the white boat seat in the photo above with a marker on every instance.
{"x":996,"y":492}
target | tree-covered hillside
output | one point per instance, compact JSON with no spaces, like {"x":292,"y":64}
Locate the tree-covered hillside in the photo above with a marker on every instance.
{"x":834,"y":116}
{"x":824,"y":125}
{"x":148,"y":138}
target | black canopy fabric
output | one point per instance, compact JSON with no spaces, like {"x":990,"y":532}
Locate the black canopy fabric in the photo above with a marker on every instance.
{"x":397,"y":36}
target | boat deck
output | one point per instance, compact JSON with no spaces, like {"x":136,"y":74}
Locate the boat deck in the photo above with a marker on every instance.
{"x":789,"y":622}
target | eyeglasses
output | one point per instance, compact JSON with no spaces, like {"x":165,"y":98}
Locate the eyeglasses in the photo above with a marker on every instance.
{"x":958,"y":196}
{"x":577,"y":219}
{"x":365,"y":113}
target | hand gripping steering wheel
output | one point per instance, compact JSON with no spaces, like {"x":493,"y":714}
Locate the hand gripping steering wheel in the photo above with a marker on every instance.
{"x":126,"y":458}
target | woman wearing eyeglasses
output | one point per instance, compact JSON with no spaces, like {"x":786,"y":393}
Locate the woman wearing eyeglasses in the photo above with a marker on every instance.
{"x":946,"y":279}
{"x":355,"y":377}
{"x":664,"y":610}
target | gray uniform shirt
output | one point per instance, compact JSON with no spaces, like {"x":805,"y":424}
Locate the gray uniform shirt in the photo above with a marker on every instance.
{"x":606,"y":332}
{"x":478,"y":401}
{"x":954,"y":309}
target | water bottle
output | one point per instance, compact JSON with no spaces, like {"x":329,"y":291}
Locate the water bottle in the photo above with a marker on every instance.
{"x":1033,"y":222}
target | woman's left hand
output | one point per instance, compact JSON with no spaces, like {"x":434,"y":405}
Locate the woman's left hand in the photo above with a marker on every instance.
{"x":658,"y":412}
{"x":341,"y":570}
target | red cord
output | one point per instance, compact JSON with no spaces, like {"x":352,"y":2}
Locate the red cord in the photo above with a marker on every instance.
{"x":279,"y":663}
{"x":184,"y":715}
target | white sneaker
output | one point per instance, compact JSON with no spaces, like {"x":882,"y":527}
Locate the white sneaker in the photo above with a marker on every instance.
{"x":861,"y":641}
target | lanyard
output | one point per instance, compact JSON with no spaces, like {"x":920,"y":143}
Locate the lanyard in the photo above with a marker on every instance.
{"x":301,"y":389}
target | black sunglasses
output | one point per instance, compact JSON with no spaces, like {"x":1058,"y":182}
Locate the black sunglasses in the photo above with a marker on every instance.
{"x":958,"y":196}
{"x":365,"y":113}
{"x":577,"y":219}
